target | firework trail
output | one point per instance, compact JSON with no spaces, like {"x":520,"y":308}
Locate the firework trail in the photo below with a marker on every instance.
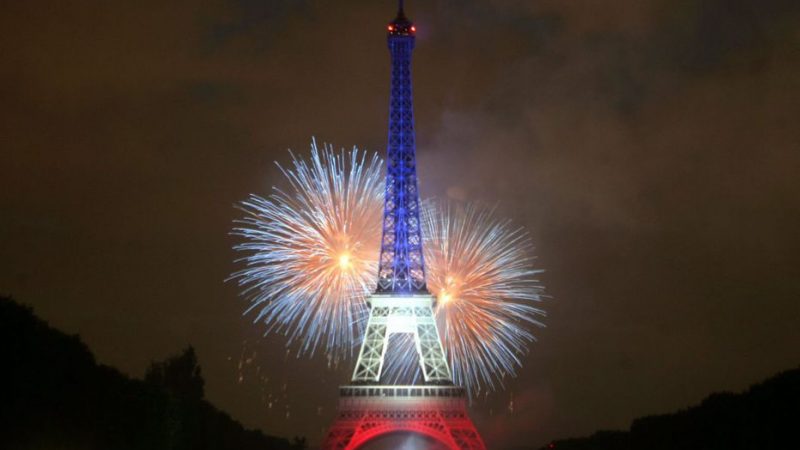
{"x":312,"y":250}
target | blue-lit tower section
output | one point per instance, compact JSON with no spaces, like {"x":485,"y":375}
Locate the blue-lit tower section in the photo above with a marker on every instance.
{"x":402,"y":266}
{"x":401,"y":302}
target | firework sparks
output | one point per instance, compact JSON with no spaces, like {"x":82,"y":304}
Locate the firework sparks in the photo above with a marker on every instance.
{"x":481,"y":271}
{"x":312,"y":260}
{"x":312,"y":250}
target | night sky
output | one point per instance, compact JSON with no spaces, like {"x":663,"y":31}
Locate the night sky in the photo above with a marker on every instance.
{"x":650,"y":147}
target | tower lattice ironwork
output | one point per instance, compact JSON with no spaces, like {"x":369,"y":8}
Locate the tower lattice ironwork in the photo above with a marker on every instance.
{"x":402,"y":266}
{"x":402,"y":303}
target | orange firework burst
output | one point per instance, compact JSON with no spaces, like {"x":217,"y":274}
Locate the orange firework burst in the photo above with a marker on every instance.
{"x":482,"y":274}
{"x":313,"y":249}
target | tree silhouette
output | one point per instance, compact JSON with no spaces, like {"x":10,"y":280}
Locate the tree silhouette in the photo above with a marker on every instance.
{"x":180,"y":375}
{"x":53,"y":394}
{"x":763,"y":417}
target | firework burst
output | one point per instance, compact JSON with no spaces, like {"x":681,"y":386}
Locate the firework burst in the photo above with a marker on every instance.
{"x":312,"y":250}
{"x":312,"y":256}
{"x":481,"y":270}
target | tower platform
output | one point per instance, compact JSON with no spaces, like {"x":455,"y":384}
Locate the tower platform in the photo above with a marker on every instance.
{"x":369,"y":412}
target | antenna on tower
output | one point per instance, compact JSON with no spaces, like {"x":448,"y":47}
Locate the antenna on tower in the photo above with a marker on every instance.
{"x":401,"y":15}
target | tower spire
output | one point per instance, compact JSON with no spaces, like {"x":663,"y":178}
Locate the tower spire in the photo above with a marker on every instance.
{"x":402,"y":265}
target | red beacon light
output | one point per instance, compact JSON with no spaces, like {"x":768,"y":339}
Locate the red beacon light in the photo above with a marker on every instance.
{"x":413,"y":28}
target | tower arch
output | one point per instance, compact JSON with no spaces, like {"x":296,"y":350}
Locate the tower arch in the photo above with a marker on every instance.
{"x":438,"y":437}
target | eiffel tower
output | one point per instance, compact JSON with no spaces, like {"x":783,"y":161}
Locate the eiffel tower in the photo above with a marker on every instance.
{"x":401,"y":303}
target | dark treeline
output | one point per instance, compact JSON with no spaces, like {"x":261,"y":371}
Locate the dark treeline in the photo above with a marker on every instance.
{"x":53,"y":394}
{"x":766,"y":416}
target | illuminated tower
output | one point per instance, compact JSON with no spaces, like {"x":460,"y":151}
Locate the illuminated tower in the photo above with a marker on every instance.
{"x":402,"y":303}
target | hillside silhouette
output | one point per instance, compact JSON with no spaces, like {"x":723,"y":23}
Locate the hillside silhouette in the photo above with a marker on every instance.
{"x":766,"y":416}
{"x":53,"y":394}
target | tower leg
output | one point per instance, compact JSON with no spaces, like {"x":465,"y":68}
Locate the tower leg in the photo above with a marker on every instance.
{"x":429,"y":346}
{"x":373,"y":349}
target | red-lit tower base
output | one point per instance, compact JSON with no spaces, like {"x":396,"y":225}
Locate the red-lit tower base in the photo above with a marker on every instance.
{"x":369,"y":412}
